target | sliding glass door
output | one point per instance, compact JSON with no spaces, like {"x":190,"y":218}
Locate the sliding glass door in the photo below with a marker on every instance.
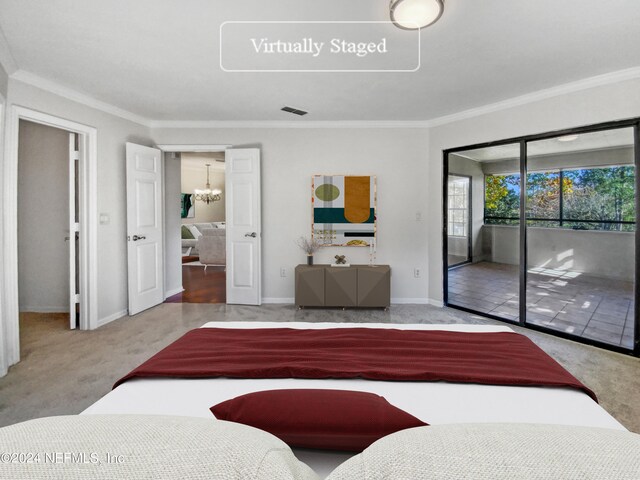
{"x":581,"y":235}
{"x":488,"y":281}
{"x":550,"y":225}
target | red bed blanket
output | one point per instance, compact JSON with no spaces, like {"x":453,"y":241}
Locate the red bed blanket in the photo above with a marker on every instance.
{"x":503,"y":358}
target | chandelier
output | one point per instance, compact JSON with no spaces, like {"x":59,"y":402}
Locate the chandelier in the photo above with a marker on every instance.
{"x":207,"y":195}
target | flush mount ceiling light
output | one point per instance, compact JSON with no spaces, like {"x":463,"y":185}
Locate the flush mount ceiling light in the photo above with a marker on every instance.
{"x":568,"y":138}
{"x":415,"y":14}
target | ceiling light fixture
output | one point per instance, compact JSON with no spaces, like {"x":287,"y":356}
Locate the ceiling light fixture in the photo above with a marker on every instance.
{"x":415,"y":14}
{"x":568,"y":138}
{"x":207,"y":195}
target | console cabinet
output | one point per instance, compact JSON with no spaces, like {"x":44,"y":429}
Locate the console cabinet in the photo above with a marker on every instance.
{"x":354,"y":286}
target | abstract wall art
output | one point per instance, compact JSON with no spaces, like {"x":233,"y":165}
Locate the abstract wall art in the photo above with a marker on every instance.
{"x":344,"y":210}
{"x":187,"y":205}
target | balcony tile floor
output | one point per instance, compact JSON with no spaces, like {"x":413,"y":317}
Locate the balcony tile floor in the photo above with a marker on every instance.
{"x":585,"y":305}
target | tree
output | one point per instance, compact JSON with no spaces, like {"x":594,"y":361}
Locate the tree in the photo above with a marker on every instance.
{"x":543,"y":194}
{"x":501,"y":196}
{"x":604,"y":195}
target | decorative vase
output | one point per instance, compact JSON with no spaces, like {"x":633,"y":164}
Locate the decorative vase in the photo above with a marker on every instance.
{"x":309,"y":259}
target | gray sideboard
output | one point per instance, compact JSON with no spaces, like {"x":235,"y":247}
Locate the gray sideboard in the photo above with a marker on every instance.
{"x":353,"y":286}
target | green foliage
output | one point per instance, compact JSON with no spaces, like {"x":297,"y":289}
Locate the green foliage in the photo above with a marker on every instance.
{"x":501,"y":197}
{"x":602,"y":194}
{"x":596,"y":194}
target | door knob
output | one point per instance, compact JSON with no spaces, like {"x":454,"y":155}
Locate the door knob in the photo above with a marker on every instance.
{"x":252,"y":234}
{"x":136,"y":238}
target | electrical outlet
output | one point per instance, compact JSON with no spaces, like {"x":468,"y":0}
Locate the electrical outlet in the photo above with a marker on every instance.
{"x":418,"y":216}
{"x":283,"y":272}
{"x":416,"y":272}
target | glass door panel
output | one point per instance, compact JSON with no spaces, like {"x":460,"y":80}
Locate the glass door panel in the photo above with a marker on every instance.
{"x":580,"y":217}
{"x":486,"y":278}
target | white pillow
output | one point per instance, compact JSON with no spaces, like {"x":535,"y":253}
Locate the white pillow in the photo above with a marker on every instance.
{"x":194,"y":231}
{"x":146,"y":446}
{"x":498,"y":452}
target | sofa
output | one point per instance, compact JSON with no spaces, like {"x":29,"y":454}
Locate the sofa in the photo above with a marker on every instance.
{"x":212,"y":247}
{"x":191,"y":232}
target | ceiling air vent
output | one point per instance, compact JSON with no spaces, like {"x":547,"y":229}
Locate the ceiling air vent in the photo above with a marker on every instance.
{"x":295,"y":111}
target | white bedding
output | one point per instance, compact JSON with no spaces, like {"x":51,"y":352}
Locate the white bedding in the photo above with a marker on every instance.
{"x":435,"y":403}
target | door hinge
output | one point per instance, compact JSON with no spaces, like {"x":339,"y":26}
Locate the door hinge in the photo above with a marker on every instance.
{"x":76,"y":155}
{"x":75,"y":227}
{"x":76,"y":298}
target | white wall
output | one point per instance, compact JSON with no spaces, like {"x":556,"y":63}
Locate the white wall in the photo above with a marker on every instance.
{"x":599,"y":253}
{"x":113,"y":133}
{"x":4,"y":82}
{"x":195,"y":176}
{"x":43,"y":218}
{"x":594,"y":105}
{"x":3,"y":347}
{"x":289,"y":159}
{"x":172,"y":241}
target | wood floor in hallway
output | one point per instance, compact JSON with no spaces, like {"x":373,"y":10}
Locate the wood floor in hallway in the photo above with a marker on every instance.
{"x":201,"y":286}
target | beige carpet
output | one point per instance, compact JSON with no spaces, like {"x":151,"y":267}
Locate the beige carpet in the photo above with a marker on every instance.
{"x":63,"y":371}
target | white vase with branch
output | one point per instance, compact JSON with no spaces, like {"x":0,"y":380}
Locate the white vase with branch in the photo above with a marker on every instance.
{"x":309,"y":246}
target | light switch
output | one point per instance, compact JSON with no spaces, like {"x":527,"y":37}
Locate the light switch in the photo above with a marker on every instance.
{"x":104,"y":219}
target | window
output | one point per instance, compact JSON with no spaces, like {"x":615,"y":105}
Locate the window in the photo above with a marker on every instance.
{"x":458,"y":222}
{"x":502,"y":199}
{"x":580,"y":199}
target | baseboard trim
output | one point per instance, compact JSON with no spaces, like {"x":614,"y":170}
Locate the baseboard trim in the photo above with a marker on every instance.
{"x":276,"y":300}
{"x":110,"y":318}
{"x":173,"y":292}
{"x":45,"y":309}
{"x":436,"y":303}
{"x":410,"y":301}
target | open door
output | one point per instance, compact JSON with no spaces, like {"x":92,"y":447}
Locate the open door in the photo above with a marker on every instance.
{"x":74,"y":231}
{"x":144,"y":227}
{"x":242,"y":185}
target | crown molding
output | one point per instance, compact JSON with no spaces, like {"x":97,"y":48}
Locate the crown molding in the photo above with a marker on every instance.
{"x":572,"y":87}
{"x":73,"y":95}
{"x":289,"y":124}
{"x":564,"y":89}
{"x":7,"y":60}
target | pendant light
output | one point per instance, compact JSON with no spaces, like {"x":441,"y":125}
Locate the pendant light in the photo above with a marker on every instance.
{"x":207,"y":195}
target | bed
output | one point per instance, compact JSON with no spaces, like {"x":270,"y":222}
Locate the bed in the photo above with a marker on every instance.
{"x":437,"y":403}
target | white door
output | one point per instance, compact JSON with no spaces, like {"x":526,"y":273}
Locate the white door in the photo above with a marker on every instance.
{"x":74,"y":230}
{"x":242,"y":199}
{"x":144,"y":227}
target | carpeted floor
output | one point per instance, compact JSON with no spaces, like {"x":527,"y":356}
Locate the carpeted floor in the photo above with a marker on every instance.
{"x":63,"y":371}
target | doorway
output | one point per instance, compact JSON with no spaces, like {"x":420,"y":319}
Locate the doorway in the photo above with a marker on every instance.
{"x":87,"y":224}
{"x":202,"y":228}
{"x":47,"y":219}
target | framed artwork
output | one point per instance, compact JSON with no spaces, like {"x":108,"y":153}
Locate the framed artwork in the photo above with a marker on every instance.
{"x":187,"y":205}
{"x":344,"y":210}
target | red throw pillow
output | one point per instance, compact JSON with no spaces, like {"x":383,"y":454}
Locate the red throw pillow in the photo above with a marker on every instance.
{"x":310,"y":418}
